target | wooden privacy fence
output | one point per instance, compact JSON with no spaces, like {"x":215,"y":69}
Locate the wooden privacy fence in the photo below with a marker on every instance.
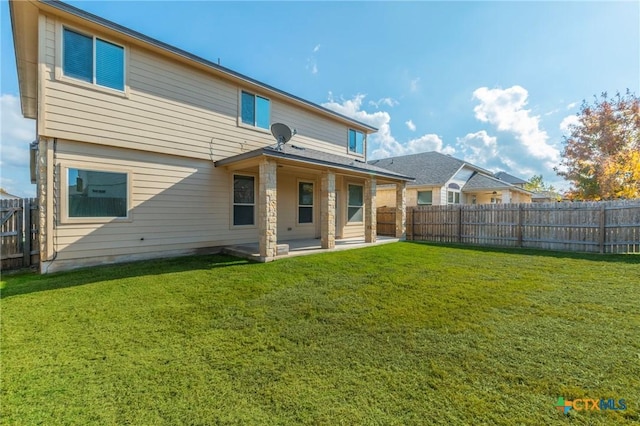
{"x":19,"y":233}
{"x":386,"y":221}
{"x":601,"y":227}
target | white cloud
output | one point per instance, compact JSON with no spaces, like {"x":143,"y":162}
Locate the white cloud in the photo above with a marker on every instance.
{"x":504,"y":108}
{"x":481,"y":149}
{"x":16,"y":133}
{"x":572,"y":105}
{"x":410,"y":125}
{"x":568,"y":122}
{"x":312,"y":62}
{"x":390,"y":102}
{"x":312,"y":65}
{"x":383,"y":144}
{"x":414,"y":85}
{"x":478,"y":147}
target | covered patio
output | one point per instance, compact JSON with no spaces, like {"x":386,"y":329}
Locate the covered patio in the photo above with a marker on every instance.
{"x":305,"y":247}
{"x":338,"y":210}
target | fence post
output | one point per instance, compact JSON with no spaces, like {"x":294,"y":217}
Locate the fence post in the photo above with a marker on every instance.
{"x":520,"y":221}
{"x":26,"y":233}
{"x":601,"y":234}
{"x":411,"y":213}
{"x":459,"y":223}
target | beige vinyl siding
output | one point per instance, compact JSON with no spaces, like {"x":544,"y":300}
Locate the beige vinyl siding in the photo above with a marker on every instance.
{"x":168,"y":108}
{"x":176,"y":203}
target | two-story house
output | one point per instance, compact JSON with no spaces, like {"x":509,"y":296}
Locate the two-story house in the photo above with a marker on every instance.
{"x":145,"y":150}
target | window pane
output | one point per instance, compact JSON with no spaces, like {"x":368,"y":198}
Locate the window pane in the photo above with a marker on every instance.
{"x":355,"y":195}
{"x":262,"y":112}
{"x":352,"y":140}
{"x":77,"y":61}
{"x":457,"y":197}
{"x":109,"y":65}
{"x":449,"y":197}
{"x":243,"y":215}
{"x":305,"y":194}
{"x":425,"y":197}
{"x":248,"y":109}
{"x":359,"y":143}
{"x":243,"y":190}
{"x":355,"y":214}
{"x":305,"y":214}
{"x":97,"y":194}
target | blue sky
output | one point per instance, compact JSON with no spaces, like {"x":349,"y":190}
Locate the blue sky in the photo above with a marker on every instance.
{"x":494,"y":83}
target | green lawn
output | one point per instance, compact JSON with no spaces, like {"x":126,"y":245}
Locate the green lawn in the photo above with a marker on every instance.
{"x":400,"y":334}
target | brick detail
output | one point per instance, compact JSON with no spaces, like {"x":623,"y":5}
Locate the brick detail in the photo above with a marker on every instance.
{"x":370,"y":219}
{"x":267,"y":210}
{"x":328,"y":210}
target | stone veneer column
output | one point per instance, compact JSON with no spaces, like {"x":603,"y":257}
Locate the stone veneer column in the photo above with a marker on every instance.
{"x":370,"y":217}
{"x":267,"y":210}
{"x":45,"y":194}
{"x":328,"y":210}
{"x":401,"y":210}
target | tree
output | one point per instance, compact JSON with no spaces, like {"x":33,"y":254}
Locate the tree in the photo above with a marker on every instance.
{"x":536,"y":184}
{"x":601,"y":156}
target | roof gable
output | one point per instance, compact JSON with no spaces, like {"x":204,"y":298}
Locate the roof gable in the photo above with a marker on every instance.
{"x":428,"y":168}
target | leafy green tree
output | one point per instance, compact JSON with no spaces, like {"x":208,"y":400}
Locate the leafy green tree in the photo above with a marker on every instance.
{"x":600,"y":155}
{"x":536,"y":184}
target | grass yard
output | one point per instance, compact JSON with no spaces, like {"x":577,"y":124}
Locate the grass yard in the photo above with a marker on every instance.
{"x":402,"y":333}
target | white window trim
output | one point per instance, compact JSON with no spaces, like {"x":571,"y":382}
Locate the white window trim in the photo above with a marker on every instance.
{"x":255,"y":202}
{"x":364,"y":143}
{"x":249,"y":126}
{"x":313,"y":205}
{"x":453,"y":191}
{"x":59,"y":72}
{"x":353,"y":222}
{"x":63,"y":169}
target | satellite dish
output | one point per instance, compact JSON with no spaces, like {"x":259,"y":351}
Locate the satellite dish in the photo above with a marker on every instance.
{"x":282,"y":133}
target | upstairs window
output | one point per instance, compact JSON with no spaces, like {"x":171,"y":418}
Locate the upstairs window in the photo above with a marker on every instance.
{"x":356,"y":142}
{"x":255,"y":110}
{"x":93,"y":60}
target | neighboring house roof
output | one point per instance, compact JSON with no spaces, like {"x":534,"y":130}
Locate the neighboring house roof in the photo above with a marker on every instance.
{"x":481,"y":181}
{"x":312,"y":156}
{"x":429,"y":168}
{"x":27,"y":66}
{"x":546,"y":195}
{"x":4,"y":195}
{"x":510,"y":178}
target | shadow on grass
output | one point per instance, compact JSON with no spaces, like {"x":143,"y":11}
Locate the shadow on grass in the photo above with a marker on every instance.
{"x":616,"y":258}
{"x":31,"y":282}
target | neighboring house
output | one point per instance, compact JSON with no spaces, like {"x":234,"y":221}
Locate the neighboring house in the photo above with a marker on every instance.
{"x":545,"y":197}
{"x":513,"y":180}
{"x":145,"y":150}
{"x":4,"y":195}
{"x":442,"y":179}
